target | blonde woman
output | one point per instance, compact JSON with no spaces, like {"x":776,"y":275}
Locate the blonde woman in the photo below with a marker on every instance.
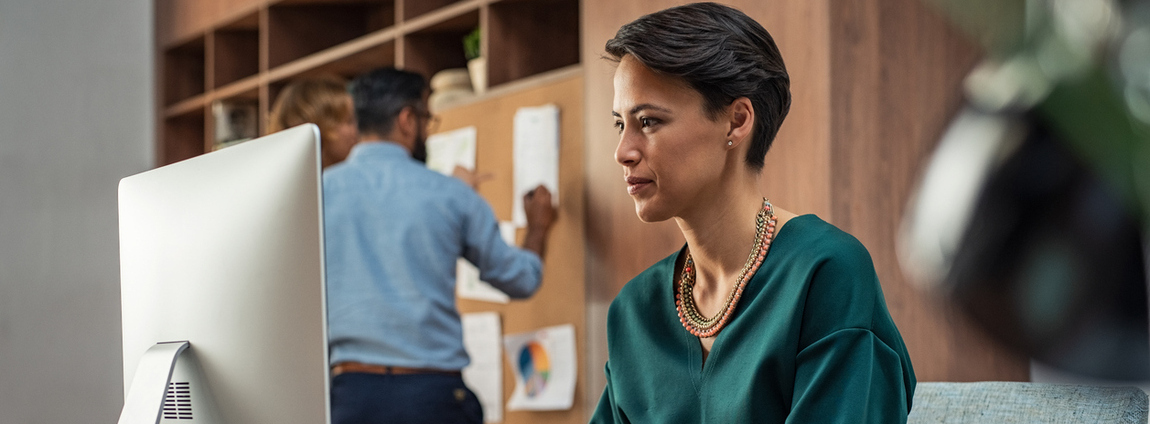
{"x":322,"y":101}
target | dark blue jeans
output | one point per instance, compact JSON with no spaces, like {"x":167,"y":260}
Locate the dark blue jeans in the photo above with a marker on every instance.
{"x":413,"y":398}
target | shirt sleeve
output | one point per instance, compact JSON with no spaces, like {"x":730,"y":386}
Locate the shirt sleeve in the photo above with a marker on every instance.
{"x":607,"y":412}
{"x":510,"y":269}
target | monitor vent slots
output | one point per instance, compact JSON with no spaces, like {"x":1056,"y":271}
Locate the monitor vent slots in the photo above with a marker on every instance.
{"x":178,"y":402}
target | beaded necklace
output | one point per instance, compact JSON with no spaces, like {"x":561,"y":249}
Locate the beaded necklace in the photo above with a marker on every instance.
{"x":689,"y":315}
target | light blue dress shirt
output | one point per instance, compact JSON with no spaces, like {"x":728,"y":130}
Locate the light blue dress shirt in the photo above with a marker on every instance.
{"x":392,"y":232}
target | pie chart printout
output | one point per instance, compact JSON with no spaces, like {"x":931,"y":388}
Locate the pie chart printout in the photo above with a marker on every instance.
{"x":534,"y":367}
{"x":543,"y":362}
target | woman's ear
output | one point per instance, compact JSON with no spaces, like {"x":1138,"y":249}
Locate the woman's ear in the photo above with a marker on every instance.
{"x":741,"y":115}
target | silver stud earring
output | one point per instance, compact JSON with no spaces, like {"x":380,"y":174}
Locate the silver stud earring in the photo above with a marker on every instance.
{"x":730,"y":143}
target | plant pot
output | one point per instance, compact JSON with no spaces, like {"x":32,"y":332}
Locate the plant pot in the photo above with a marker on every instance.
{"x":478,"y":69}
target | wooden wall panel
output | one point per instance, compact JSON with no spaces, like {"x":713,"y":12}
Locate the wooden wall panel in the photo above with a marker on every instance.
{"x":796,"y":176}
{"x":561,"y":298}
{"x":619,"y":246}
{"x":896,"y":68}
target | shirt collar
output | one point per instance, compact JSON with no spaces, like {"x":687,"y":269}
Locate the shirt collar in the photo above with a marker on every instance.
{"x":379,"y":149}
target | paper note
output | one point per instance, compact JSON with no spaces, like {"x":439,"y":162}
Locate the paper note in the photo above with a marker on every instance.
{"x":469,"y":286}
{"x":507,"y":232}
{"x":543,"y":362}
{"x":484,"y":375}
{"x":536,"y":144}
{"x":467,"y":282}
{"x":448,"y":149}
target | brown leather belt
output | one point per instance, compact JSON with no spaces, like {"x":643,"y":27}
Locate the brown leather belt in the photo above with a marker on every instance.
{"x":346,"y":367}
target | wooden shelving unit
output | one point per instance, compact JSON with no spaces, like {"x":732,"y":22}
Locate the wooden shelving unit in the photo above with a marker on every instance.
{"x":250,"y":49}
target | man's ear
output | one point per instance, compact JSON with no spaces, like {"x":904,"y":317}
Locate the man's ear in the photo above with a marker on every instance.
{"x":741,"y":115}
{"x":405,"y":122}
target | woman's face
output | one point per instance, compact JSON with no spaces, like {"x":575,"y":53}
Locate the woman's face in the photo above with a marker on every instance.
{"x":672,"y":153}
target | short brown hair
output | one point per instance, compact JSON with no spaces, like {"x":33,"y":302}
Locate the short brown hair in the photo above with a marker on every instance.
{"x":321,"y":101}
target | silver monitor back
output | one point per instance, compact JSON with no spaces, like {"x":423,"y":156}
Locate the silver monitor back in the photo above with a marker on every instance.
{"x":225,"y":250}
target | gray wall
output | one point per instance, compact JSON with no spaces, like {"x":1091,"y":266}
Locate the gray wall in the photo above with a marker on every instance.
{"x":75,"y":117}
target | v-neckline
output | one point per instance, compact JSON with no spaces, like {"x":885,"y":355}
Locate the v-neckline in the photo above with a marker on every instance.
{"x":700,"y":367}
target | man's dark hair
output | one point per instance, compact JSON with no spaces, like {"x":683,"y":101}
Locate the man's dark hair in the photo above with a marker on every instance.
{"x":381,"y":94}
{"x":721,"y":53}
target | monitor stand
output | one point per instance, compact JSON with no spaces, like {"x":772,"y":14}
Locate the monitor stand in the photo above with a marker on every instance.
{"x":168,"y":387}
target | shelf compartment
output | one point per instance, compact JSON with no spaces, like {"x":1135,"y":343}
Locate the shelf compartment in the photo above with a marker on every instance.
{"x":300,"y":28}
{"x":183,"y":136}
{"x":274,"y":90}
{"x":356,"y":64}
{"x":184,"y":67}
{"x":415,"y":8}
{"x":530,"y":37}
{"x":235,"y":118}
{"x":517,"y":86}
{"x":346,"y":60}
{"x":439,"y":46}
{"x":236,"y":50}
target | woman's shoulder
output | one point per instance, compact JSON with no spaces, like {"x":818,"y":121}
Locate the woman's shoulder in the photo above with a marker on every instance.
{"x":835,"y":266}
{"x":838,"y":272}
{"x":809,"y":237}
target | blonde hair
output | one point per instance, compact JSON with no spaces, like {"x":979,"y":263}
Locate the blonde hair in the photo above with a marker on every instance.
{"x":322,"y":101}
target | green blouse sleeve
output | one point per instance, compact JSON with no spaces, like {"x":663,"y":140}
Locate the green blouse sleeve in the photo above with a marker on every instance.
{"x":852,"y":366}
{"x":849,"y":376}
{"x":606,"y":412}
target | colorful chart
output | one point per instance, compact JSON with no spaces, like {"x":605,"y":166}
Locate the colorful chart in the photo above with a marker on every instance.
{"x":544,"y":364}
{"x":534,"y":367}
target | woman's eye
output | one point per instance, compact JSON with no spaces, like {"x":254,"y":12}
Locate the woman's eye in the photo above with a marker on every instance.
{"x":647,"y":122}
{"x":619,"y":126}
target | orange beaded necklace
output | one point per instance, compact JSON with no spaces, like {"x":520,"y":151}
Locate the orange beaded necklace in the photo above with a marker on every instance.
{"x":689,"y":314}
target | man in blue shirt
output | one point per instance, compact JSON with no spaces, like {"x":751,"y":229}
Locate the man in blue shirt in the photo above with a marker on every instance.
{"x":393,"y":230}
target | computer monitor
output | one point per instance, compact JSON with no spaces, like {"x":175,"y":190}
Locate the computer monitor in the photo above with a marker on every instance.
{"x":224,"y":252}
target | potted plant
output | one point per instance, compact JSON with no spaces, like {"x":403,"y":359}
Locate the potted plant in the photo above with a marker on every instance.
{"x":476,"y":63}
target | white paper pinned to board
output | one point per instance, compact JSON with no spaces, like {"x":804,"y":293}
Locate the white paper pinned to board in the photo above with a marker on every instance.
{"x":536,"y":144}
{"x":449,"y":149}
{"x":482,"y":334}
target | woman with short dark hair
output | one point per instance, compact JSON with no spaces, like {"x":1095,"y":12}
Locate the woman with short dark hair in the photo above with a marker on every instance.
{"x":748,"y":322}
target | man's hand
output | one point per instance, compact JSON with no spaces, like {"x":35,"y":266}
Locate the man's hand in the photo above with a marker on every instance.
{"x":537,"y":205}
{"x":540,"y":218}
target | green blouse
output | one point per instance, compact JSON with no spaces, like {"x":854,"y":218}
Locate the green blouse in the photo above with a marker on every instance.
{"x":811,"y":341}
